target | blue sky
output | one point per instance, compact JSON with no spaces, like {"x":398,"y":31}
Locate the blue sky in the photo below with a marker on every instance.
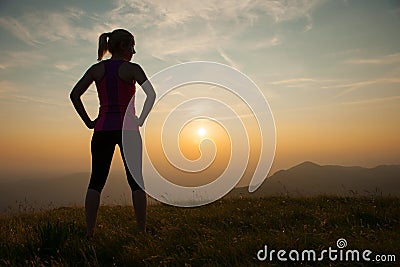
{"x":329,"y":69}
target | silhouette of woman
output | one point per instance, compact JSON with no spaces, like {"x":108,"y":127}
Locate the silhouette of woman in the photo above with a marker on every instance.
{"x":115,"y":80}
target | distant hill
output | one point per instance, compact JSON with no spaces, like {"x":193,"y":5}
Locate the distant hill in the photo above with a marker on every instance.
{"x":68,"y":190}
{"x":305,"y":179}
{"x":309,"y":178}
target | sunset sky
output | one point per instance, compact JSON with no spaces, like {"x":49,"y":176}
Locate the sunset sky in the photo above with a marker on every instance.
{"x":330,"y":71}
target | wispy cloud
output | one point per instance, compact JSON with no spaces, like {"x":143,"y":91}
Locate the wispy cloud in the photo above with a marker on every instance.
{"x":66,"y":66}
{"x":344,"y":53}
{"x":38,"y":100}
{"x":366,"y":83}
{"x":20,"y":58}
{"x":356,"y":85}
{"x":183,"y":27}
{"x":302,"y":82}
{"x":284,"y":10}
{"x":6,"y":87}
{"x":228,"y":59}
{"x":18,"y":29}
{"x":173,"y":13}
{"x":372,"y":100}
{"x":273,"y":41}
{"x":10,"y":90}
{"x":387,"y":59}
{"x":177,"y":46}
{"x":309,"y":25}
{"x":293,"y":81}
{"x":37,"y":27}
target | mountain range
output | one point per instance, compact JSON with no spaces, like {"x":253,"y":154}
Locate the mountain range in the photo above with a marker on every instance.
{"x":308,"y":179}
{"x":305,"y":179}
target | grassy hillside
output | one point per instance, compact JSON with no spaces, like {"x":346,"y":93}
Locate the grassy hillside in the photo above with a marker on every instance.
{"x":227,"y":232}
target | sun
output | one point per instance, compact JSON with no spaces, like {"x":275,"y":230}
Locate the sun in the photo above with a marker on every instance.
{"x":201,"y":131}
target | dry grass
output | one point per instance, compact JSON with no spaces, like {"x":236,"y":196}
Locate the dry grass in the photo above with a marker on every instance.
{"x":227,"y":232}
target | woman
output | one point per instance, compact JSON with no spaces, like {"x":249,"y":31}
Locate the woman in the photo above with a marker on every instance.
{"x":115,"y":80}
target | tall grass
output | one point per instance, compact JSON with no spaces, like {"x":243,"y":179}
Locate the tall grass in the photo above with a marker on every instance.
{"x":226,"y":232}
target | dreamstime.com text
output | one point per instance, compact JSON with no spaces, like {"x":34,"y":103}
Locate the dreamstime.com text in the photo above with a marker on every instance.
{"x":332,"y":254}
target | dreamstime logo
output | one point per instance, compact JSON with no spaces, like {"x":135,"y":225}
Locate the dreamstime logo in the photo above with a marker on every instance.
{"x":210,"y":126}
{"x":341,"y":243}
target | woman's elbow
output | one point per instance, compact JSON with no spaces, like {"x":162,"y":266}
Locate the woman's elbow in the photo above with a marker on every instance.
{"x":74,"y":96}
{"x":152,"y":95}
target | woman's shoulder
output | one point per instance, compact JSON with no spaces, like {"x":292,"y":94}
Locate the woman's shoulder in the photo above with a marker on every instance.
{"x":134,"y":71}
{"x":96,"y":66}
{"x":132,"y":65}
{"x":97,"y":70}
{"x":99,"y":64}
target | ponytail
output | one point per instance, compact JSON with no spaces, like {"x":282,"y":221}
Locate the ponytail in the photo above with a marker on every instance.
{"x":103,"y":45}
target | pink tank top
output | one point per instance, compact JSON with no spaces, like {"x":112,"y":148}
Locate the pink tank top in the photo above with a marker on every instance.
{"x":114,"y":95}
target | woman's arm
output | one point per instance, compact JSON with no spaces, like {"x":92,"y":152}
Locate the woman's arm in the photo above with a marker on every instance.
{"x":148,"y":89}
{"x":148,"y":103}
{"x":75,"y":95}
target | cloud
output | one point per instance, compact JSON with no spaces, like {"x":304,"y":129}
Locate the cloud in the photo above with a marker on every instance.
{"x":15,"y":92}
{"x":175,"y":13}
{"x":344,"y":53}
{"x":372,"y":100}
{"x":293,"y":81}
{"x":288,"y":10}
{"x":365,"y":83}
{"x":182,"y":29}
{"x":356,"y":85}
{"x":66,"y":66}
{"x":6,"y":87}
{"x":228,"y":59}
{"x":178,"y":47}
{"x":309,"y":25}
{"x":383,"y":60}
{"x":166,"y":14}
{"x":302,"y":82}
{"x":19,"y":30}
{"x":20,"y":58}
{"x":273,"y":41}
{"x":186,"y":28}
{"x":33,"y":99}
{"x":37,"y":27}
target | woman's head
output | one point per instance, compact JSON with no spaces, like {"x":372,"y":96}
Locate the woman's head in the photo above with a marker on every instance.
{"x":119,"y":41}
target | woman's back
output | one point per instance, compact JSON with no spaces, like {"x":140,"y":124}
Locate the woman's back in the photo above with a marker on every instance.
{"x":114,"y":94}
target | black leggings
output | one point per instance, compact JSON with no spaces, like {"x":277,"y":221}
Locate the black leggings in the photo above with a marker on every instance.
{"x":102,"y":148}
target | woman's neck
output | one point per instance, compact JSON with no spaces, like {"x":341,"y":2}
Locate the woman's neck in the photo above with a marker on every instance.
{"x":117,"y":56}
